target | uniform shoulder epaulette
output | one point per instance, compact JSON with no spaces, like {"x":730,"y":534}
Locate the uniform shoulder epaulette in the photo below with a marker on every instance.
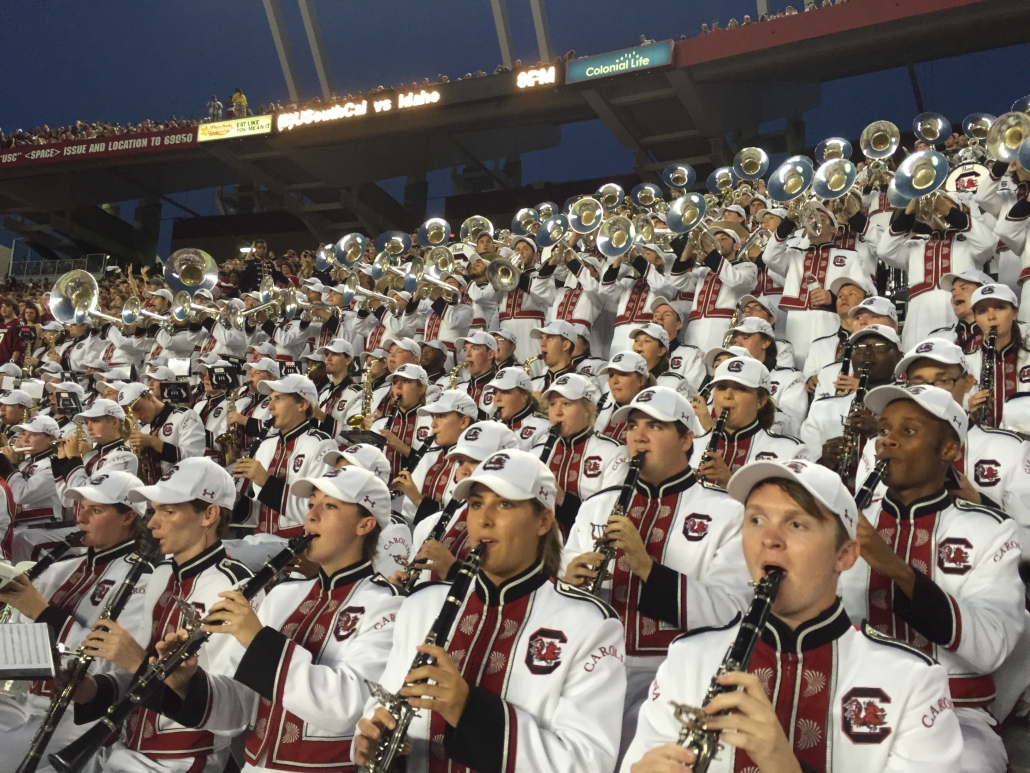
{"x":572,"y":592}
{"x":382,"y":582}
{"x":180,"y":409}
{"x":832,"y":397}
{"x":236,"y":571}
{"x":709,"y":628}
{"x":995,"y":512}
{"x":315,"y":432}
{"x":881,"y":638}
{"x":820,"y":338}
{"x":1000,"y":431}
{"x":606,"y":439}
{"x":770,"y":433}
{"x":432,"y":583}
{"x":397,"y":518}
{"x":538,"y":415}
{"x":69,"y":556}
{"x":617,"y":487}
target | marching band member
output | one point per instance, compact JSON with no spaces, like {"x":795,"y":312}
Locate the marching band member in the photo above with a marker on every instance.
{"x":684,"y":360}
{"x":516,"y":407}
{"x":526,"y":710}
{"x":192,"y":509}
{"x":524,"y":308}
{"x":14,"y":408}
{"x":253,"y":420}
{"x":447,"y":318}
{"x":955,"y":596}
{"x":995,"y":306}
{"x":217,"y":379}
{"x":304,"y":659}
{"x":629,"y":286}
{"x":627,"y":376}
{"x":786,"y":385}
{"x":408,"y":386}
{"x":577,"y":300}
{"x":32,"y":482}
{"x":965,"y":332}
{"x":583,"y":360}
{"x":678,"y":565}
{"x":506,"y":345}
{"x":375,"y":371}
{"x":71,"y":595}
{"x":77,"y":461}
{"x":582,"y":461}
{"x":341,"y":388}
{"x":741,"y":385}
{"x":958,"y":242}
{"x":173,"y":433}
{"x":557,"y":344}
{"x":861,"y":702}
{"x":848,"y":292}
{"x":78,"y":347}
{"x":873,"y":310}
{"x":480,"y":352}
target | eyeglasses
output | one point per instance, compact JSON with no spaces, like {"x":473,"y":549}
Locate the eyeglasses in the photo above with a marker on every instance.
{"x":881,"y":348}
{"x":943,"y":383}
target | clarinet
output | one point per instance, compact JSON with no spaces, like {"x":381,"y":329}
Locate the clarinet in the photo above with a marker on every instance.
{"x":553,"y":434}
{"x":43,"y":564}
{"x":80,"y":666}
{"x":713,"y":442}
{"x":989,"y":359}
{"x":74,"y":757}
{"x":845,"y":361}
{"x":865,"y":494}
{"x":602,"y":544}
{"x":851,"y":436}
{"x":412,"y":573}
{"x":705,"y":743}
{"x":390,"y":741}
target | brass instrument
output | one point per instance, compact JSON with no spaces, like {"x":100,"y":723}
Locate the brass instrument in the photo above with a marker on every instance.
{"x":143,"y":471}
{"x":879,"y":141}
{"x":1007,"y":135}
{"x":832,"y":147}
{"x":358,"y":419}
{"x":524,"y":220}
{"x":455,"y":372}
{"x":976,"y":126}
{"x":504,"y":274}
{"x":721,"y":181}
{"x":435,"y":232}
{"x":602,"y":544}
{"x":921,"y":176}
{"x":679,"y":175}
{"x":616,"y":235}
{"x":693,"y":736}
{"x":190,"y":270}
{"x":686,"y":213}
{"x":646,"y":195}
{"x":75,"y":298}
{"x":790,"y":185}
{"x":751,"y":163}
{"x":852,"y":439}
{"x":586,"y":214}
{"x":760,"y":236}
{"x":986,"y":415}
{"x":227,"y":440}
{"x":611,"y":195}
{"x":390,"y":741}
{"x":527,"y":366}
{"x":474,"y":227}
{"x":931,"y":128}
{"x":834,"y":179}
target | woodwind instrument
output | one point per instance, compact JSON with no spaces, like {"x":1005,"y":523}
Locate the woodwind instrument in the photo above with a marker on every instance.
{"x":985,"y":415}
{"x":602,"y":544}
{"x":227,"y":440}
{"x":851,"y":435}
{"x":143,"y":471}
{"x":705,"y":743}
{"x":390,"y":741}
{"x":713,"y":443}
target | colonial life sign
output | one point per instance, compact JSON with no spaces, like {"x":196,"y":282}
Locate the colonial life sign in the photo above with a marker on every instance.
{"x":100,"y":147}
{"x":618,"y":62}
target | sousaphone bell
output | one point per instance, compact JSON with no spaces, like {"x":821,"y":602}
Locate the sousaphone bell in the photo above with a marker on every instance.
{"x":1007,"y":135}
{"x":190,"y":270}
{"x":615,"y":236}
{"x":679,"y":175}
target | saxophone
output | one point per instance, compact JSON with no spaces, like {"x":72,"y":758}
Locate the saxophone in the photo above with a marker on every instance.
{"x":143,"y":470}
{"x":737,"y":311}
{"x":705,"y":743}
{"x":227,"y":440}
{"x":390,"y":741}
{"x":358,"y":419}
{"x":602,"y":544}
{"x":528,"y":365}
{"x":455,"y":372}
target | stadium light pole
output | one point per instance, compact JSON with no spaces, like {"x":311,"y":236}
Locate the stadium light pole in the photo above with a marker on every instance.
{"x":543,"y":31}
{"x":314,"y":33}
{"x":274,"y":12}
{"x":503,"y":25}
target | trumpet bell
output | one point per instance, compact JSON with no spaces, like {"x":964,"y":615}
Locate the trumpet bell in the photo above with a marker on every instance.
{"x":686,"y":212}
{"x":646,"y":195}
{"x":831,"y":148}
{"x":393,"y":242}
{"x":791,"y":179}
{"x":1007,"y":135}
{"x":434,"y":232}
{"x":610,"y":195}
{"x":182,"y":305}
{"x":931,"y":128}
{"x":1021,"y":105}
{"x":524,"y":220}
{"x":721,"y":180}
{"x":679,"y":175}
{"x":73,"y":297}
{"x":834,"y":178}
{"x":381,"y":265}
{"x":976,"y":125}
{"x":585,"y":215}
{"x":751,"y":163}
{"x":502,"y":275}
{"x":552,"y":231}
{"x":615,"y":236}
{"x":350,"y":250}
{"x":191,"y":270}
{"x":880,"y":139}
{"x":474,"y":227}
{"x":921,"y":173}
{"x":547,"y":210}
{"x":894,"y":198}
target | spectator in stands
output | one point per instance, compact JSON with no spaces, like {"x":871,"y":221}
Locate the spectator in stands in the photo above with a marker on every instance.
{"x":214,"y":109}
{"x":239,"y":102}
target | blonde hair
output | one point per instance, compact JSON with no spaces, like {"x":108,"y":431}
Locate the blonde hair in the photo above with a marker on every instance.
{"x":550,"y":546}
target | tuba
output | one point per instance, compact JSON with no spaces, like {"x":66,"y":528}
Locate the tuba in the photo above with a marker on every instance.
{"x":931,"y":128}
{"x":190,"y":270}
{"x":1007,"y":135}
{"x":679,"y":175}
{"x":74,"y":299}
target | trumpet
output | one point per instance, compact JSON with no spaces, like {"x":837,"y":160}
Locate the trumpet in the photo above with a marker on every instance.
{"x":133,"y":311}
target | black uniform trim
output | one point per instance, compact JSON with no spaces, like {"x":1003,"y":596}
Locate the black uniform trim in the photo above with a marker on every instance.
{"x":929,"y":611}
{"x":237,"y":571}
{"x":273,"y":493}
{"x":659,"y":595}
{"x":881,"y":638}
{"x":709,"y":628}
{"x":262,"y":661}
{"x":995,"y":512}
{"x":572,"y":592}
{"x":478,"y":741}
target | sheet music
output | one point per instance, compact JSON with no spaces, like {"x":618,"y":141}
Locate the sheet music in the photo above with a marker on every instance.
{"x":25,"y":651}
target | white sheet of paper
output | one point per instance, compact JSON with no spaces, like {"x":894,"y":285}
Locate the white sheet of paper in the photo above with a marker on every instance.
{"x":25,"y":647}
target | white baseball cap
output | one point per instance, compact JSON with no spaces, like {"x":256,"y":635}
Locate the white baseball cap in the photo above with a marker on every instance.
{"x":115,"y":374}
{"x":131,"y":392}
{"x":101,"y":408}
{"x":478,"y":338}
{"x":626,"y":362}
{"x":876,"y":304}
{"x":16,"y":397}
{"x":718,"y":229}
{"x":196,"y":477}
{"x":821,"y":482}
{"x":657,"y":332}
{"x":993,"y":292}
{"x":527,"y":240}
{"x":482,"y":439}
{"x":294,"y":384}
{"x":507,"y":335}
{"x":877,"y":330}
{"x":337,"y":346}
{"x":735,"y":208}
{"x":109,"y":488}
{"x":163,"y":374}
{"x":378,"y":353}
{"x":407,"y":344}
{"x":97,"y":364}
{"x":751,"y":325}
{"x":41,"y":424}
{"x":65,"y":386}
{"x":352,"y":484}
{"x":266,"y":364}
{"x":363,"y":455}
{"x":972,"y":275}
{"x":265,"y":348}
{"x":663,"y":301}
{"x":162,"y":293}
{"x":748,"y":299}
{"x":936,"y":349}
{"x":218,"y":362}
{"x":662,"y":403}
{"x":10,"y":369}
{"x":862,"y":284}
{"x":934,"y":400}
{"x":53,"y":326}
{"x":411,"y":372}
{"x":746,"y":371}
{"x":574,"y":387}
{"x":451,"y":400}
{"x":514,"y":474}
{"x":557,"y":327}
{"x":713,"y":354}
{"x":51,"y":367}
{"x":511,"y":378}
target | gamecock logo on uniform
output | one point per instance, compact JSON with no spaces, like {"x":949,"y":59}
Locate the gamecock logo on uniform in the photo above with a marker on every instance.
{"x":954,"y":554}
{"x":695,"y":527}
{"x":987,"y":472}
{"x":99,"y":591}
{"x":864,"y":717}
{"x":592,"y":466}
{"x":527,"y":432}
{"x":543,"y":656}
{"x":1024,"y":374}
{"x":423,"y":433}
{"x":347,"y":622}
{"x":677,"y":363}
{"x":166,"y":430}
{"x":298,"y":462}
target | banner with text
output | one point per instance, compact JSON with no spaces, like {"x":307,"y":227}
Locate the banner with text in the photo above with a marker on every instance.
{"x":99,"y":147}
{"x":619,"y":62}
{"x":240,"y":127}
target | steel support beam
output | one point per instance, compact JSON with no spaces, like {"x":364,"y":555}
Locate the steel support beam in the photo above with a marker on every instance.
{"x":543,"y":30}
{"x":915,"y":89}
{"x":498,"y":175}
{"x":503,"y":25}
{"x":274,"y":12}
{"x":314,"y":32}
